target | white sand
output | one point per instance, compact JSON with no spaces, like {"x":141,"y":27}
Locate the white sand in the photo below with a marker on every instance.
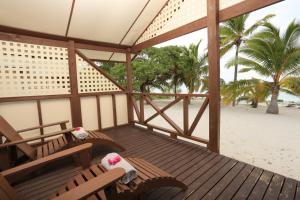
{"x":268,"y":141}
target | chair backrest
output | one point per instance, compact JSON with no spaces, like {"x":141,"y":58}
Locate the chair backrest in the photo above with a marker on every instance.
{"x":11,"y":135}
{"x":7,"y":192}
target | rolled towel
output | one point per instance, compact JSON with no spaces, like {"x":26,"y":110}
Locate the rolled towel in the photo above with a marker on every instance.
{"x":80,"y":133}
{"x":114,"y":160}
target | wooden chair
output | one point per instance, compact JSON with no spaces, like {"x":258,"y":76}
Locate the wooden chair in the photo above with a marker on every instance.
{"x":14,"y":140}
{"x":149,"y":177}
{"x":95,"y":182}
{"x":105,"y":182}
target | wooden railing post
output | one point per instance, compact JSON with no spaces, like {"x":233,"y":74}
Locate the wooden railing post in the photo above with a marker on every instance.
{"x":214,"y":74}
{"x":186,"y":114}
{"x":39,"y":108}
{"x":75,"y":99}
{"x":142,"y":115}
{"x":129,"y":87}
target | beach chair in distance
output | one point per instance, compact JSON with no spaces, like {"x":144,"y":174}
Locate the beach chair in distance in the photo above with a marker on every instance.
{"x":94,"y":182}
{"x":15,"y":141}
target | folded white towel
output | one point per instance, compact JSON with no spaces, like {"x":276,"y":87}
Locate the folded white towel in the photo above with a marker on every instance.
{"x":114,"y":160}
{"x":80,"y":133}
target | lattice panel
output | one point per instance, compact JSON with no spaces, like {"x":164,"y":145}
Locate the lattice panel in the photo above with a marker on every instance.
{"x":178,"y":13}
{"x":175,"y":14}
{"x":31,"y":70}
{"x":91,"y":80}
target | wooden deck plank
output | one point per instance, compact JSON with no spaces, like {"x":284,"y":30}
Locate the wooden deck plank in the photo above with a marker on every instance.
{"x":274,"y":188}
{"x":213,"y":180}
{"x":288,"y":190}
{"x":226,"y":180}
{"x":231,"y":189}
{"x":248,"y":185}
{"x":297,"y":196}
{"x":200,"y":176}
{"x":261,"y":186}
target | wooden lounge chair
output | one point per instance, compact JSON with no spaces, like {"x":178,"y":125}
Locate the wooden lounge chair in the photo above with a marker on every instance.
{"x":149,"y":177}
{"x":47,"y":148}
{"x":94,"y":182}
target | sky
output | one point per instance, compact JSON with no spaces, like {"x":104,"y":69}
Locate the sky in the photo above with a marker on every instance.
{"x":285,"y":12}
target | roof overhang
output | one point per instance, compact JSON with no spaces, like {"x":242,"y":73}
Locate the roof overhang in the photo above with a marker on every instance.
{"x":106,"y":26}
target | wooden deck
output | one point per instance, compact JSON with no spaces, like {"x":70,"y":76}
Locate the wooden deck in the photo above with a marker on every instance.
{"x":208,"y":175}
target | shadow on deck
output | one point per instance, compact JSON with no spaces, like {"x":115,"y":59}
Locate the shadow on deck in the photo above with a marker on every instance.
{"x":208,"y":175}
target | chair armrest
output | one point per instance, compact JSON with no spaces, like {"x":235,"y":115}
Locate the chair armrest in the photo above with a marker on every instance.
{"x":35,"y":138}
{"x":42,"y":161}
{"x":42,"y":126}
{"x":93,"y":185}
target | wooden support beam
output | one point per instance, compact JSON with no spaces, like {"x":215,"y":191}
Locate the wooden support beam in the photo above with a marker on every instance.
{"x":142,"y":113}
{"x":185,"y":115}
{"x":39,"y":108}
{"x":168,"y":119}
{"x":129,"y":86}
{"x":214,"y":75}
{"x":75,"y":99}
{"x":113,"y":96}
{"x":99,"y":113}
{"x":198,"y":116}
{"x":136,"y":108}
{"x":39,"y":38}
{"x":164,"y":109}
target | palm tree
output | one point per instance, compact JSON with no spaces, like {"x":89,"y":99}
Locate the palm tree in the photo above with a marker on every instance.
{"x":195,"y":67}
{"x":233,"y":34}
{"x":276,"y":56}
{"x":253,"y":90}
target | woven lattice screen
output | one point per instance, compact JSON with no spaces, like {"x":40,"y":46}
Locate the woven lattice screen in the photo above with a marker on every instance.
{"x":91,"y":80}
{"x":178,"y":13}
{"x":30,"y":70}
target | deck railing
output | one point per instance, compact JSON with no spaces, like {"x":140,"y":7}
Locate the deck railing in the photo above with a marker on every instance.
{"x":187,"y":130}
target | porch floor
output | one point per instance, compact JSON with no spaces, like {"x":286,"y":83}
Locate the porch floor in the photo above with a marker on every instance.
{"x":208,"y":175}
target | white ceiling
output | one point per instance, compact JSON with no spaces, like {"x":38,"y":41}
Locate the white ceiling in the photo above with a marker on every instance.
{"x":96,"y":20}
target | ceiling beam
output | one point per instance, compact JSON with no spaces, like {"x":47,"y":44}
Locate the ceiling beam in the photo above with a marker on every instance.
{"x":70,"y":18}
{"x":137,"y":17}
{"x":88,"y":44}
{"x":225,"y":14}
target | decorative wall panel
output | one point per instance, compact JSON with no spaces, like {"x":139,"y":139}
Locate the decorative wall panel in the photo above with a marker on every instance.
{"x":89,"y":113}
{"x":91,"y":80}
{"x":30,"y":70}
{"x":21,"y":115}
{"x":121,"y":109}
{"x":55,"y":110}
{"x":178,"y":13}
{"x":107,"y":116}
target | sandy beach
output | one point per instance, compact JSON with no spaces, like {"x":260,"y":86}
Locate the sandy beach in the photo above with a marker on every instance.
{"x":268,"y":141}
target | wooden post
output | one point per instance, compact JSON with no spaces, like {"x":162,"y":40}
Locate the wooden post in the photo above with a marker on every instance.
{"x":39,"y":108}
{"x":129,"y":87}
{"x":142,"y":115}
{"x":186,"y":115}
{"x":75,"y":99}
{"x":214,"y":74}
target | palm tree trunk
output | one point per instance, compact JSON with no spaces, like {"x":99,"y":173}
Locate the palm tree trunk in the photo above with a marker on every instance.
{"x":273,"y":106}
{"x":236,"y":69}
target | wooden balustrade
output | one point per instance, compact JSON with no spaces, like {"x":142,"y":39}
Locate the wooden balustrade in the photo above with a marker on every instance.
{"x":187,"y":130}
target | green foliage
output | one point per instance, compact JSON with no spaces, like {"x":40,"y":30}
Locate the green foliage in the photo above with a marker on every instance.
{"x":253,"y":90}
{"x":195,"y":68}
{"x":164,"y":68}
{"x":276,"y":56}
